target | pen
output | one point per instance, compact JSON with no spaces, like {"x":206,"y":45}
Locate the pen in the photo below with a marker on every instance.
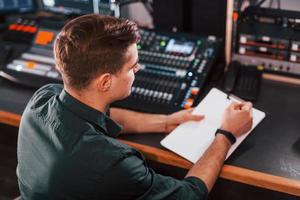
{"x":235,"y":98}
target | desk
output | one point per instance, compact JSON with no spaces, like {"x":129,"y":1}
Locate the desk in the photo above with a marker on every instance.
{"x":269,"y":157}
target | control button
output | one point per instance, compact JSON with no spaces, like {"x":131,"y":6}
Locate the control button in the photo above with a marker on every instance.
{"x":188,"y":104}
{"x":53,"y":74}
{"x":170,"y":96}
{"x":293,"y":58}
{"x":160,"y":95}
{"x":295,"y":47}
{"x":165,"y":96}
{"x":260,"y":67}
{"x":195,"y":91}
{"x":25,"y":69}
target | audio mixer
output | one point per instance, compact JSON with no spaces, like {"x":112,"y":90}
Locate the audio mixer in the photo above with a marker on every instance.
{"x":36,"y":66}
{"x":174,"y":68}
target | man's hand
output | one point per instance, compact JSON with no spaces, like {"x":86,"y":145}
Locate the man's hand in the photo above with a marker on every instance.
{"x":237,"y":118}
{"x":136,"y":122}
{"x":177,"y":118}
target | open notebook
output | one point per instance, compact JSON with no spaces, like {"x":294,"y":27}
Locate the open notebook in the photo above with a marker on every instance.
{"x":191,"y":139}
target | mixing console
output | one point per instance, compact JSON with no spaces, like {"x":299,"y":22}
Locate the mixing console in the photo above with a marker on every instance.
{"x":36,"y":66}
{"x":174,"y":68}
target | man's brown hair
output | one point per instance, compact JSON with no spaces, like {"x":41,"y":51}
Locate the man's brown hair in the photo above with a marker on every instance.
{"x":93,"y":44}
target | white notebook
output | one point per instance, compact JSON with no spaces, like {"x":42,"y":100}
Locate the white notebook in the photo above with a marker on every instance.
{"x":191,"y":139}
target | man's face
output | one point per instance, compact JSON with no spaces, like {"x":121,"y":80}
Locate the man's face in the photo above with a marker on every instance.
{"x":123,"y":80}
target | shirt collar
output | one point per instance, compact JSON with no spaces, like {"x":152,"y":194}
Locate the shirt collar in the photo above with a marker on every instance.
{"x":90,"y":114}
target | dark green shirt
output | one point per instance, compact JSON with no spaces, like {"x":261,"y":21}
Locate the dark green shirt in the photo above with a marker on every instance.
{"x":68,"y":150}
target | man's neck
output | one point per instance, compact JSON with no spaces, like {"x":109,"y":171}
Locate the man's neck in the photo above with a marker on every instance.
{"x":89,"y":98}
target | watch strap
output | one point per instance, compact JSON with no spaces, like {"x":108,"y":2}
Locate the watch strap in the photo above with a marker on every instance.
{"x":228,"y":135}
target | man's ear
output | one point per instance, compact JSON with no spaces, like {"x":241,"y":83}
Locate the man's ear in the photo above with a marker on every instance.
{"x":104,"y":82}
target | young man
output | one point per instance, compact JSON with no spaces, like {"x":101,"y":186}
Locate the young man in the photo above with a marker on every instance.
{"x":67,"y":147}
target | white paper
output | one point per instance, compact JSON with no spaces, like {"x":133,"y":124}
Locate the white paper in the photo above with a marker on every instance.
{"x":191,"y":139}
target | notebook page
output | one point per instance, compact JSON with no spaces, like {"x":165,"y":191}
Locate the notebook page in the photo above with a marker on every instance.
{"x":191,"y":139}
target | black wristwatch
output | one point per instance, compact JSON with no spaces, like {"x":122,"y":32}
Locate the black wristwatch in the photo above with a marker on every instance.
{"x":228,"y":135}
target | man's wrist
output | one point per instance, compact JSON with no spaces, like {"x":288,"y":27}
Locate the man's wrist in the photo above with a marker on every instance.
{"x":230,"y":137}
{"x":166,"y":123}
{"x":223,"y":139}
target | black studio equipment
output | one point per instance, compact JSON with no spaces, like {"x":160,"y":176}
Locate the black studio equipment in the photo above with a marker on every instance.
{"x":175,"y":66}
{"x":268,"y":38}
{"x":33,"y":63}
{"x":9,"y":7}
{"x":16,"y":6}
{"x":69,"y":7}
{"x":261,"y":39}
{"x":18,"y":29}
{"x":17,"y":32}
{"x":34,"y":66}
{"x":243,"y":81}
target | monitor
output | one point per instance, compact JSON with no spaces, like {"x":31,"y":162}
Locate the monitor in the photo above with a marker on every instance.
{"x":7,"y":6}
{"x":78,"y":7}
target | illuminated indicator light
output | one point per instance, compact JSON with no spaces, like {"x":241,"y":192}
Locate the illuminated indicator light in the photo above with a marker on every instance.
{"x":19,"y":27}
{"x":19,"y":67}
{"x":32,"y":29}
{"x":295,"y":47}
{"x":235,"y":16}
{"x":188,"y":103}
{"x":243,"y":40}
{"x":139,"y":46}
{"x":195,"y":91}
{"x":190,"y":74}
{"x":12,"y":27}
{"x":163,"y":43}
{"x":186,"y":106}
{"x":260,"y":67}
{"x":30,"y":65}
{"x":26,"y":28}
{"x":266,"y":38}
{"x":263,"y":49}
{"x":44,"y":37}
{"x":242,"y":50}
{"x":293,"y":58}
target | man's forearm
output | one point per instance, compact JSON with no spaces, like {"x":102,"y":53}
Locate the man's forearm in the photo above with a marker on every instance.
{"x":135,"y":122}
{"x":209,"y":165}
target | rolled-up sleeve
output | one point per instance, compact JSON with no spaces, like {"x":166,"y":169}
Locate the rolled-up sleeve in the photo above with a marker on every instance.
{"x":137,"y":181}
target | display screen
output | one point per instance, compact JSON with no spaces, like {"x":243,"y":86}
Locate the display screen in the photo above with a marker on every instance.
{"x":180,"y":46}
{"x":16,"y":5}
{"x":69,"y":6}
